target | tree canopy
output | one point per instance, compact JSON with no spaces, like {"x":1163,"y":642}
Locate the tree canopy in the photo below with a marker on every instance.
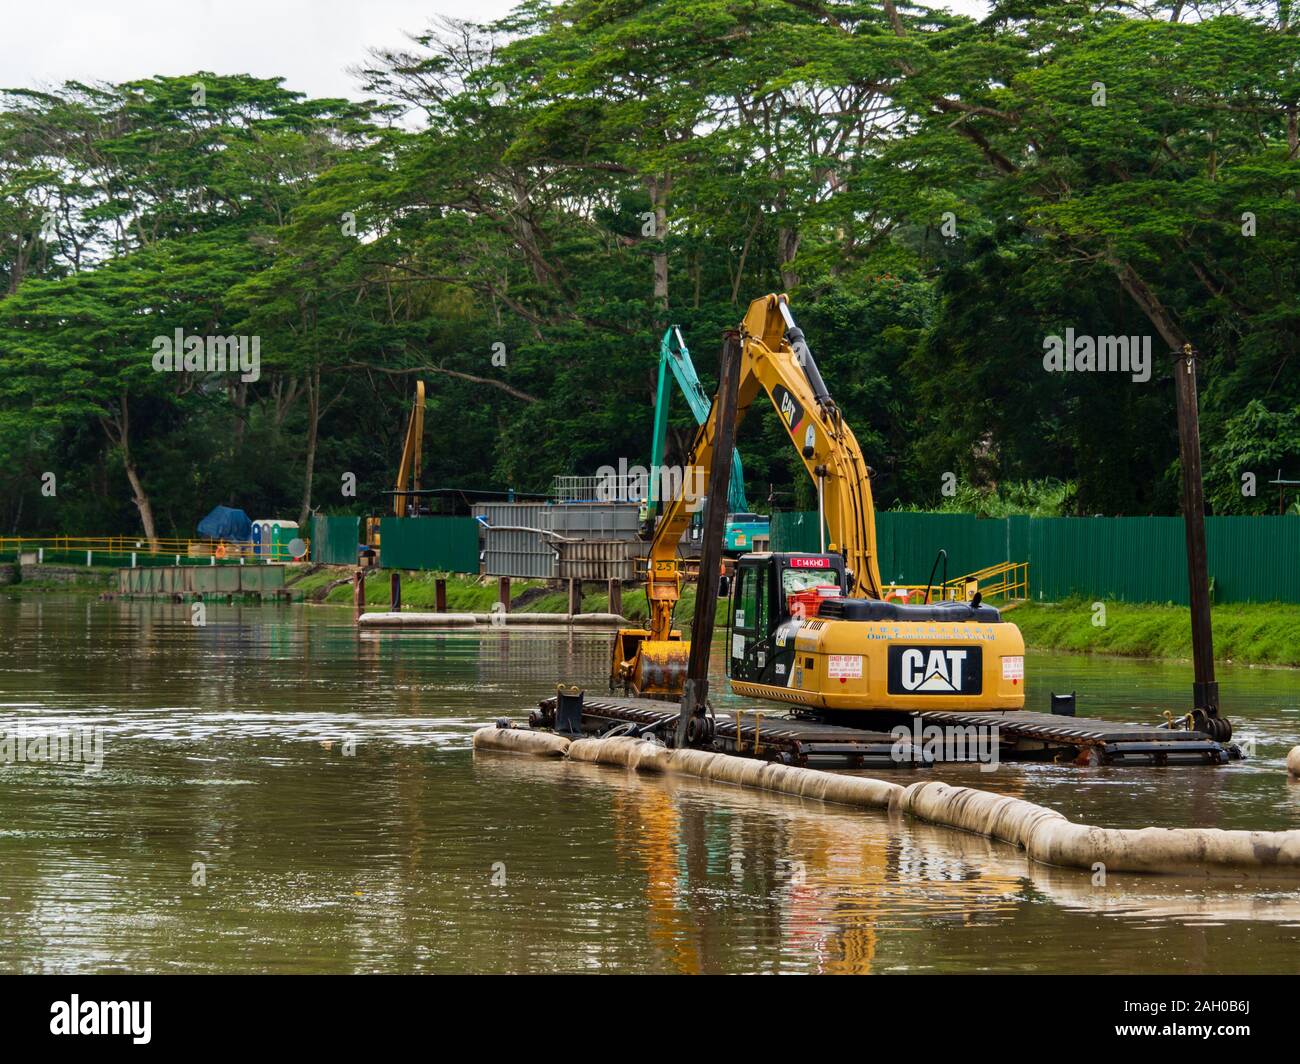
{"x":518,"y":210}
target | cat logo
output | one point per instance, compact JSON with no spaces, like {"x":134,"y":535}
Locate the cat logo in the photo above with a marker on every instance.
{"x":922,"y":670}
{"x":791,"y":411}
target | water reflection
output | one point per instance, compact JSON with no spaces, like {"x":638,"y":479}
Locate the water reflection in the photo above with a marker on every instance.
{"x":227,"y":747}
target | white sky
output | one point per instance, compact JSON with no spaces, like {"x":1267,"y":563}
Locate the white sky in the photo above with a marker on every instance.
{"x":310,"y":43}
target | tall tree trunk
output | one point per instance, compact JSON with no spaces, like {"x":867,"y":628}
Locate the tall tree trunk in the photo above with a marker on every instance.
{"x":238,"y":393}
{"x":142,"y":502}
{"x":313,"y":427}
{"x":118,"y":430}
{"x":1150,"y":305}
{"x":658,"y":188}
{"x":787,"y":248}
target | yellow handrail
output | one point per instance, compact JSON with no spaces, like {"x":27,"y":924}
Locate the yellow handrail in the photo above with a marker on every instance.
{"x":160,"y":546}
{"x":1013,"y":583}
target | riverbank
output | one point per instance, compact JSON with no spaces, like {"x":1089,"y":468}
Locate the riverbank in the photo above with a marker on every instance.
{"x":1244,"y":633}
{"x":467,"y":594}
{"x":40,"y":578}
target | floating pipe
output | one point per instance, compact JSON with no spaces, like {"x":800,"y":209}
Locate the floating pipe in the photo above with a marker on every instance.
{"x":410,"y":619}
{"x":1043,"y":834}
{"x":521,"y":741}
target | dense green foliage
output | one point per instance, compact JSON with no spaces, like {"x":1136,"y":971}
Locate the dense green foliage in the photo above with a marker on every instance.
{"x":522,"y":207}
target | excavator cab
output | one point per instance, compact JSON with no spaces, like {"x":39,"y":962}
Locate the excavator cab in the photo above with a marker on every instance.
{"x":771,"y":595}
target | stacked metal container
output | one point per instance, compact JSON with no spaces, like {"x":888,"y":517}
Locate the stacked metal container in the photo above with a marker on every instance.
{"x":516,"y":541}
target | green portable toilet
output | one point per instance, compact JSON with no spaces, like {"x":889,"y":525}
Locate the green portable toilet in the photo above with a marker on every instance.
{"x":282,"y":532}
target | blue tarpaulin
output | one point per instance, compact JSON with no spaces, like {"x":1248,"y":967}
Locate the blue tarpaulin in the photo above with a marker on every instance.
{"x":225,"y":523}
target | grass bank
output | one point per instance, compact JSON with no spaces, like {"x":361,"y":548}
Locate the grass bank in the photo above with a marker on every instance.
{"x":1244,"y":634}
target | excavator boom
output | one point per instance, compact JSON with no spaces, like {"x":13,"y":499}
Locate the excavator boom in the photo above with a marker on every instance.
{"x":408,"y":470}
{"x":675,"y":363}
{"x":406,"y":498}
{"x":905,"y":653}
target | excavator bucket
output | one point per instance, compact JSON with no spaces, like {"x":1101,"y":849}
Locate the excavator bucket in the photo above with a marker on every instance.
{"x":649,"y":668}
{"x":660,"y":670}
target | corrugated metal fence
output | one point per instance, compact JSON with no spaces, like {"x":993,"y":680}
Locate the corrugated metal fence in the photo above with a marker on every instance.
{"x":334,"y":540}
{"x":516,"y":540}
{"x":1137,"y":559}
{"x":514,"y":543}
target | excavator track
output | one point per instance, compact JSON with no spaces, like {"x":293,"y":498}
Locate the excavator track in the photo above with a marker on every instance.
{"x":1021,"y":735}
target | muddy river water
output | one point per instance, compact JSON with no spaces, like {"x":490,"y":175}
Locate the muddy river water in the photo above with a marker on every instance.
{"x":281,"y":794}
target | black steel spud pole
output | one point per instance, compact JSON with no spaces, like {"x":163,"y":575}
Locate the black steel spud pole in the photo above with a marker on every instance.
{"x":695,"y":691}
{"x":1205,"y":689}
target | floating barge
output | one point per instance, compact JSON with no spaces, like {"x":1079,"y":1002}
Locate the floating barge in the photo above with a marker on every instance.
{"x":1021,"y":735}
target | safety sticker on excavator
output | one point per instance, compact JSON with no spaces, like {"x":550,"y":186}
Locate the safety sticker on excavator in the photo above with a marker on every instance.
{"x":844,"y":666}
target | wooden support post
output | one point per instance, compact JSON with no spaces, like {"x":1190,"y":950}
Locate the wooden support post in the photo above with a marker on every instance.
{"x":503,"y":593}
{"x":440,"y":595}
{"x":575,"y":596}
{"x":359,"y":592}
{"x":616,"y":597}
{"x":695,"y":692}
{"x":1205,"y":689}
{"x":395,"y":592}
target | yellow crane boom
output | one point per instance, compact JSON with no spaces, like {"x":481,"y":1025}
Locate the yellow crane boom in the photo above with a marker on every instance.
{"x":408,"y":469}
{"x":405,"y":500}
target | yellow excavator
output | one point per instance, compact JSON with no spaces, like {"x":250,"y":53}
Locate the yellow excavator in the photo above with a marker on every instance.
{"x":813,"y":629}
{"x":406,"y":498}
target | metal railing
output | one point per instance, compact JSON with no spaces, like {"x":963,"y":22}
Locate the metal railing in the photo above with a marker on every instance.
{"x":109,"y":547}
{"x":1008,"y":580}
{"x":621,"y":487}
{"x":1005,"y":580}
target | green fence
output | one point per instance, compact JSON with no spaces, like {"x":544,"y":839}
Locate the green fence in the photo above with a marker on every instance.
{"x":334,"y":540}
{"x":1137,"y":559}
{"x":446,"y":544}
{"x":794,"y":531}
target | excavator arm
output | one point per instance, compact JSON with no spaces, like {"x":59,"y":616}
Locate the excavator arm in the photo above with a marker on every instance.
{"x":408,"y":470}
{"x":675,"y":362}
{"x":775,"y":360}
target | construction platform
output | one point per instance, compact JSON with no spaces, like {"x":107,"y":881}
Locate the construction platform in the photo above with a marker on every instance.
{"x":925,"y":736}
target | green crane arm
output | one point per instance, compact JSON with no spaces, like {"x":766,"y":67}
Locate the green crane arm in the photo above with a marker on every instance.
{"x":675,"y":357}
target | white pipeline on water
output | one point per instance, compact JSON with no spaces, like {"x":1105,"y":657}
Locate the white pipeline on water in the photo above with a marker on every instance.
{"x":1044,"y":834}
{"x":521,"y":741}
